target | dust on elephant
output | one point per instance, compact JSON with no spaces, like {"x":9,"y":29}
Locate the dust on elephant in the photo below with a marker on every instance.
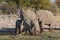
{"x":46,"y":17}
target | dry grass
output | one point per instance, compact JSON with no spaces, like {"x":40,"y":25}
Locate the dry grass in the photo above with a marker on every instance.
{"x":54,"y":35}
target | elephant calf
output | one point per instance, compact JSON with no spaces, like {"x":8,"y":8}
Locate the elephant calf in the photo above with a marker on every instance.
{"x":18,"y":27}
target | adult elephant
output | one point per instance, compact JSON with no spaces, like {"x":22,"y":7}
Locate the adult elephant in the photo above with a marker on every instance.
{"x":45,"y":18}
{"x":31,"y":21}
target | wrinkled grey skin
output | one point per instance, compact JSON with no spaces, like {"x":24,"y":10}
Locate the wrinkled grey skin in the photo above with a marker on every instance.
{"x":46,"y":17}
{"x":30,"y":22}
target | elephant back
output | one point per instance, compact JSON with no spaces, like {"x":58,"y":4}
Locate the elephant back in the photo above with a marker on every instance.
{"x":28,"y":14}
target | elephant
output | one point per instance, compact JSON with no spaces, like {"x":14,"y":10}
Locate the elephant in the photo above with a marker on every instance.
{"x":19,"y":23}
{"x":18,"y":26}
{"x":30,"y":22}
{"x":46,"y":17}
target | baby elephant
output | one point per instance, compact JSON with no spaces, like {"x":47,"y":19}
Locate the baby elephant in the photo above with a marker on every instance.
{"x":18,"y":27}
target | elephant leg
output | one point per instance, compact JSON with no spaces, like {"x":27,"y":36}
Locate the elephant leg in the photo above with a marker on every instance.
{"x":36,"y":27}
{"x":16,"y":30}
{"x":41,"y":28}
{"x":27,"y":26}
{"x":34,"y":30}
{"x":24,"y":30}
{"x":30,"y":31}
{"x":19,"y":29}
{"x":49,"y":27}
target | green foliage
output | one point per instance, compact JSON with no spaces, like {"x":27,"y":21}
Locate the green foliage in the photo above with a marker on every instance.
{"x":45,"y":4}
{"x":54,"y":8}
{"x":2,"y":0}
{"x":10,"y":2}
{"x":42,"y":4}
{"x":25,"y":3}
{"x":58,"y":3}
